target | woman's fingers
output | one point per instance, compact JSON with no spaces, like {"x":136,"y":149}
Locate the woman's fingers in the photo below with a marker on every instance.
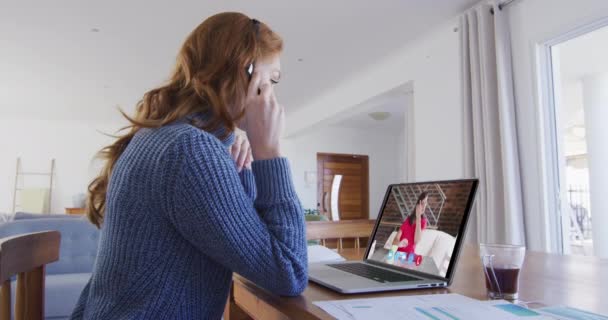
{"x":266,"y":91}
{"x":235,"y":149}
{"x":242,"y":155}
{"x":254,"y":85}
{"x":249,"y":159}
{"x":264,"y":121}
{"x":240,"y":151}
{"x":282,"y":112}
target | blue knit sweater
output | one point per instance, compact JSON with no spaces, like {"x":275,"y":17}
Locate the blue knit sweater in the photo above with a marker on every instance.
{"x":179,"y":220}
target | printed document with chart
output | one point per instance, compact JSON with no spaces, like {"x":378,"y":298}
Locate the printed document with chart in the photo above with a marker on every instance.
{"x":423,"y":307}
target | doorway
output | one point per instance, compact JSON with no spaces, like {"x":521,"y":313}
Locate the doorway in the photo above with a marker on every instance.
{"x":343,"y":186}
{"x":578,"y":109}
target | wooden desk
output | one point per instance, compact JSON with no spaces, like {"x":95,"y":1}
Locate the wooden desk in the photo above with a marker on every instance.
{"x":580,"y":282}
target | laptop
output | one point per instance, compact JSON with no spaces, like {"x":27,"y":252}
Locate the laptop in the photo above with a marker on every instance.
{"x":391,"y":263}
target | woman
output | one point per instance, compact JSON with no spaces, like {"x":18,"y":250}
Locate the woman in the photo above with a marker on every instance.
{"x":410,"y":232}
{"x":180,"y":203}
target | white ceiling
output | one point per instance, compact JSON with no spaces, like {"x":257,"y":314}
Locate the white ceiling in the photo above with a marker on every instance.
{"x":53,"y":67}
{"x":394,"y":101}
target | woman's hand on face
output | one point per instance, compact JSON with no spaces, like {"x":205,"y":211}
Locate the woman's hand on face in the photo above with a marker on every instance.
{"x":241,"y":152}
{"x":403,"y":243}
{"x":264,"y":118}
{"x":419,"y":210}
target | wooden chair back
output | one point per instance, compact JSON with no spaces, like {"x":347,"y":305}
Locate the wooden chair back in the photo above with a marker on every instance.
{"x":26,"y":255}
{"x":344,"y":229}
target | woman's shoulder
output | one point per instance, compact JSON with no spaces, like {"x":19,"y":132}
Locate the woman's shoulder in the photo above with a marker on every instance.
{"x":184,"y":139}
{"x":177,"y":133}
{"x":178,"y":144}
{"x":195,"y":137}
{"x":169,"y":143}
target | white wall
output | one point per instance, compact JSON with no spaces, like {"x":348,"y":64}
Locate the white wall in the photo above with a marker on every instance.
{"x":432,"y":64}
{"x":533,"y":22}
{"x":381,"y":148}
{"x":401,"y":149}
{"x":72,"y":144}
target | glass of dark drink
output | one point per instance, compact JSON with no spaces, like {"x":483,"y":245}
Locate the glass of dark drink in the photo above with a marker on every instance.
{"x":501,"y":266}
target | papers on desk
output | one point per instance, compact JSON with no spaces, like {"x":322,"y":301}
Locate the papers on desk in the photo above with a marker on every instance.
{"x":554,"y":312}
{"x":317,"y":253}
{"x":431,"y":307}
{"x":567,"y":313}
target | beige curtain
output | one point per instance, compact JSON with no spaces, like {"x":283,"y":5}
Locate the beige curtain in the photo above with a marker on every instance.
{"x":490,"y":135}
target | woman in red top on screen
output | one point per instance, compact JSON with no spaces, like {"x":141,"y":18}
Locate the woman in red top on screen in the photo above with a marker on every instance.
{"x":410,"y":232}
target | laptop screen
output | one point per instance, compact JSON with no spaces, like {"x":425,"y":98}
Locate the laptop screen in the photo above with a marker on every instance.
{"x":421,"y":224}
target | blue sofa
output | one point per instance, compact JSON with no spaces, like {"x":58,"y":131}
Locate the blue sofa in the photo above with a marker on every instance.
{"x":65,"y":278}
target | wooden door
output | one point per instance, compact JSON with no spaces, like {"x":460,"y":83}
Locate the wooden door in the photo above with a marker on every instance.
{"x":353,"y":201}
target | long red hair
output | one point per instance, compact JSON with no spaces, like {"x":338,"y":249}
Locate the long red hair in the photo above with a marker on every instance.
{"x":209,"y":76}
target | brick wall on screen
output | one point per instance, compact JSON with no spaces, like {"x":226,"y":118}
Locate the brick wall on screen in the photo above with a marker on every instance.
{"x":391,"y":214}
{"x":454,"y":207}
{"x":451,"y":214}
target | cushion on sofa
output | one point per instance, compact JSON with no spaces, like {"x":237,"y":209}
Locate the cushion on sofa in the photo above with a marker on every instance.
{"x":79,"y":239}
{"x":442,"y":251}
{"x":6,"y":217}
{"x":29,"y":215}
{"x":437,"y":245}
{"x":61,"y":293}
{"x":65,"y":278}
{"x":424,"y":246}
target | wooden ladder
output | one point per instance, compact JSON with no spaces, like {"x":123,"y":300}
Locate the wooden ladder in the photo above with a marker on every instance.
{"x":20,"y":174}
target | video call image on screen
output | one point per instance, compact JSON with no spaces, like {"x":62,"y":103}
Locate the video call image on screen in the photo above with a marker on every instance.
{"x":419,"y":225}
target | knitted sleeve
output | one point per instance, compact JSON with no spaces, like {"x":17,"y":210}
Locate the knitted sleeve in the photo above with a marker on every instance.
{"x":248,"y":181}
{"x":262,"y":240}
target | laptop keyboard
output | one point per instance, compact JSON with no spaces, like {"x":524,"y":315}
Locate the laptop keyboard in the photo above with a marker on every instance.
{"x":372,"y":273}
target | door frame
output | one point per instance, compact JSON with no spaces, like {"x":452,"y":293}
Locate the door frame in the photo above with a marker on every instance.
{"x":343,"y":155}
{"x":553,"y":166}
